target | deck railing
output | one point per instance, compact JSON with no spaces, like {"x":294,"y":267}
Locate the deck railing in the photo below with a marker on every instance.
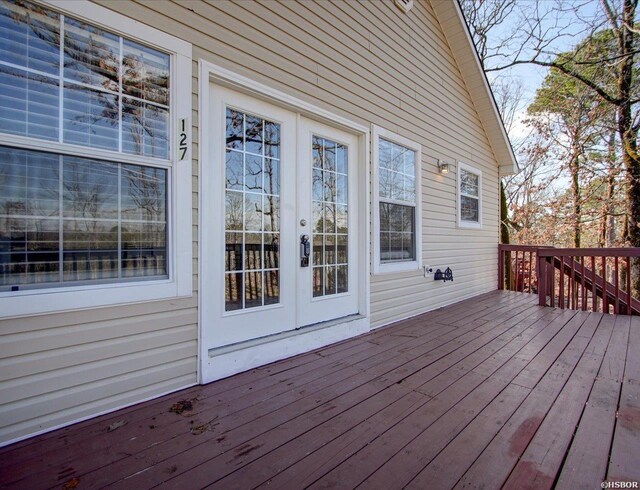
{"x":596,"y":279}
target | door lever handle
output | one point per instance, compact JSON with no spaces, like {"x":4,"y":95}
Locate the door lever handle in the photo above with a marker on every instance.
{"x":305,"y":250}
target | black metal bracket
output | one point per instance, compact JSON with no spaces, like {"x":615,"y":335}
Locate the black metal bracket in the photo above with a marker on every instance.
{"x":445,"y":276}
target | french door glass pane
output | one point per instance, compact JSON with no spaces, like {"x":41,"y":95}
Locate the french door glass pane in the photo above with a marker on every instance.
{"x":330,"y":225}
{"x":252,"y":211}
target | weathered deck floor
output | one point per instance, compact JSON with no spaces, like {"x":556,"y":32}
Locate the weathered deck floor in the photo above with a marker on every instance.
{"x":492,"y":391}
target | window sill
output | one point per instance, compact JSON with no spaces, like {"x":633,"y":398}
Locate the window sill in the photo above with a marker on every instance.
{"x":40,"y":301}
{"x":392,"y":267}
{"x":469,"y":225}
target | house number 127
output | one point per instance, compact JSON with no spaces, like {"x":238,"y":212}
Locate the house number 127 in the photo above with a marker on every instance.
{"x":183,"y":139}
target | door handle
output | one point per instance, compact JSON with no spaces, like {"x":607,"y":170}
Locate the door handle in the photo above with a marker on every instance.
{"x":305,"y":250}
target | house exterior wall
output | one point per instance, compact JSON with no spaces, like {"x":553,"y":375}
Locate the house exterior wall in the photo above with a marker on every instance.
{"x":341,"y":56}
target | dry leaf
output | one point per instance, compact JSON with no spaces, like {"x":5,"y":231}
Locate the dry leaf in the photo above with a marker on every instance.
{"x":116,"y":425}
{"x":182,"y":406}
{"x":73,"y":483}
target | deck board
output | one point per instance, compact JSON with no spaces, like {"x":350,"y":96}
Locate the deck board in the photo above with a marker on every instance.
{"x":624,"y":465}
{"x":494,"y":390}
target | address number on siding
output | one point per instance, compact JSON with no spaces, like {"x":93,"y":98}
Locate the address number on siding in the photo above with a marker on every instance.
{"x":183,"y":139}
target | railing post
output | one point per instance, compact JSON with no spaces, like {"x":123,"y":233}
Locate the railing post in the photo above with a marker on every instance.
{"x":542,"y":280}
{"x":500,"y":268}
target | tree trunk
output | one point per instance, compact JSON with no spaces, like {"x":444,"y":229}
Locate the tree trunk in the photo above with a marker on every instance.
{"x":608,"y":223}
{"x":628,"y":135}
{"x":504,"y":234}
{"x":575,"y":191}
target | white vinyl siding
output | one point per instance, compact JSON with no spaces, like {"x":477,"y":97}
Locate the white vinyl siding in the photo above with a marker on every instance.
{"x":340,"y":56}
{"x":343,"y":57}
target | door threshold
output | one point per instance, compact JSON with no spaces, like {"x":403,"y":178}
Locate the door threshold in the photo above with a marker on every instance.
{"x":226,"y":349}
{"x":231,"y":359}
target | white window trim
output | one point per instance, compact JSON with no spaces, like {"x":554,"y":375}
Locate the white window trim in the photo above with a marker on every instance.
{"x":474,"y":170}
{"x":378,"y":266}
{"x":179,"y":195}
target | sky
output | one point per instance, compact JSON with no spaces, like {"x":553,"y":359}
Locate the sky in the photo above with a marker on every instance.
{"x":569,"y":19}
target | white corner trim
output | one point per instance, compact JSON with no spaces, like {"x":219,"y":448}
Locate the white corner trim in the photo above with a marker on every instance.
{"x":391,"y":267}
{"x":478,"y":172}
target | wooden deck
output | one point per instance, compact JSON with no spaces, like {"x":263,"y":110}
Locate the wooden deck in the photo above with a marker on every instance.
{"x":489,"y":392}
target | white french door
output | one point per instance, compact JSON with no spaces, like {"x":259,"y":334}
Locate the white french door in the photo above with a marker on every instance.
{"x":272,"y":180}
{"x":327,"y":203}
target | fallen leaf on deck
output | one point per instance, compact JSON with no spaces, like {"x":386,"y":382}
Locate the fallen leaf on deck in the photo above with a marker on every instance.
{"x":199,"y":429}
{"x":73,"y":483}
{"x":116,"y":425}
{"x":182,"y":406}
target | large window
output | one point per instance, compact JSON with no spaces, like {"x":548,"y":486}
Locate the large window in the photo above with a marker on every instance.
{"x":86,"y":157}
{"x":469,"y":196}
{"x":397,"y":177}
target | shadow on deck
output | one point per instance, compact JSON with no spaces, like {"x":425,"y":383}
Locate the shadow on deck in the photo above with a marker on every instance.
{"x":492,"y":391}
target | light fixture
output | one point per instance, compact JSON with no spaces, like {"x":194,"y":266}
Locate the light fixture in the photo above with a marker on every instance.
{"x":443,"y":167}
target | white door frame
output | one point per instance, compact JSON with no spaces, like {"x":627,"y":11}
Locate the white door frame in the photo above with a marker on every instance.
{"x":233,"y":359}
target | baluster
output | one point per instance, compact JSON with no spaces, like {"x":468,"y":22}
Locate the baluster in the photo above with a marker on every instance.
{"x":594,"y":292}
{"x":512,"y":277}
{"x":629,"y":309}
{"x":540,"y":273}
{"x":605,"y":292}
{"x":582,"y":286}
{"x":500,"y":268}
{"x":512,"y":270}
{"x":616,"y":306}
{"x":574,"y":292}
{"x":552,"y":281}
{"x":530,"y":268}
{"x":561,"y":285}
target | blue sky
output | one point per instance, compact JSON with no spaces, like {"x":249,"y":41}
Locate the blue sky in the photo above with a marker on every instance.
{"x":570,"y":19}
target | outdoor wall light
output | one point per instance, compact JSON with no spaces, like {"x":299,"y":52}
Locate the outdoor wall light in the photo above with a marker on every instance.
{"x":443,"y":167}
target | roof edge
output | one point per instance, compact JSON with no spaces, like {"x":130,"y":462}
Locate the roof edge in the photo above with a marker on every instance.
{"x":454,"y":26}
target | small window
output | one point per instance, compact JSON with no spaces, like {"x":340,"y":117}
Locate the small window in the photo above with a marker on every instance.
{"x":397,"y":177}
{"x":469,"y":196}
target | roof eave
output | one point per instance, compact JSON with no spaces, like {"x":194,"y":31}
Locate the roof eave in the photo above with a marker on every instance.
{"x":458,"y":36}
